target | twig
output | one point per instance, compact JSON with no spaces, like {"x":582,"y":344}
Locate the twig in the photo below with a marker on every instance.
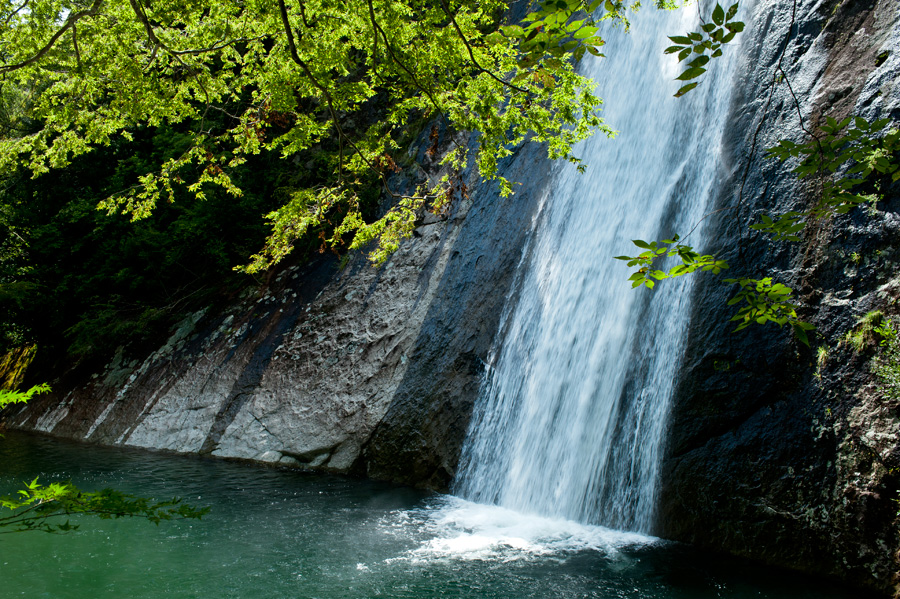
{"x":465,"y":42}
{"x":295,"y":56}
{"x":70,"y":22}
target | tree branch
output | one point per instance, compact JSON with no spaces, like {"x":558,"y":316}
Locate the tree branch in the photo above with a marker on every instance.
{"x":295,"y":56}
{"x":151,"y":34}
{"x":70,"y":22}
{"x":14,"y":13}
{"x":468,"y":46}
{"x":400,"y":63}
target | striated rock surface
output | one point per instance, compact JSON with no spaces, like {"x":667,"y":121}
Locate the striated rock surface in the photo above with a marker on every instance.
{"x":365,"y":370}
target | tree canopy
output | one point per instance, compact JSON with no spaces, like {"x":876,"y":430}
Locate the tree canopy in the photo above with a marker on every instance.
{"x":290,"y":76}
{"x":339,"y":87}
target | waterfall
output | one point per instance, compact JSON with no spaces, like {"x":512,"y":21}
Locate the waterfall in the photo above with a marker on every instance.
{"x":572,"y":411}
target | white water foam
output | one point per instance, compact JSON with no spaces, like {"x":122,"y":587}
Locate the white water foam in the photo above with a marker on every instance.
{"x":456,"y":529}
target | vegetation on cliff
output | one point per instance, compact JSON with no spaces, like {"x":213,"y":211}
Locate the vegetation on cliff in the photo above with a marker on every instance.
{"x":192,"y":119}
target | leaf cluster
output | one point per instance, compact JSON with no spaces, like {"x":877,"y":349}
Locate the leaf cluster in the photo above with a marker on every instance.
{"x":82,"y":283}
{"x":691,"y":261}
{"x":760,"y":300}
{"x":289,"y":76}
{"x":711,"y":37}
{"x":763,"y":301}
{"x":40,"y":507}
{"x":9,"y":397}
{"x":560,"y":28}
{"x":845,"y":163}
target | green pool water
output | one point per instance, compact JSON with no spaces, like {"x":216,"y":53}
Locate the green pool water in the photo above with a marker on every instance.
{"x":283,"y":534}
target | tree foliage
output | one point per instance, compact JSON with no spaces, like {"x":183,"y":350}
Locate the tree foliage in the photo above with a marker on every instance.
{"x":711,"y":37}
{"x":849,"y":158}
{"x":9,"y":397}
{"x":39,"y":507}
{"x":79,"y":282}
{"x":286,"y":76}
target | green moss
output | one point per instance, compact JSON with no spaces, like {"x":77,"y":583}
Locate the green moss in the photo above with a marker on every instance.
{"x":13,"y":365}
{"x":821,"y":358}
{"x":864,"y":332}
{"x":887,"y":365}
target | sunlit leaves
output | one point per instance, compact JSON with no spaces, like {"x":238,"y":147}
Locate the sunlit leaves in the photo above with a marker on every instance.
{"x":562,"y":27}
{"x":42,"y":507}
{"x":321,"y":67}
{"x":11,"y":397}
{"x":721,"y":30}
{"x":843,"y":163}
{"x":761,"y":301}
{"x":691,"y":261}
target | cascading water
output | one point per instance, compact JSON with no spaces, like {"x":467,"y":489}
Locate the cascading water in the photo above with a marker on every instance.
{"x":573,"y":409}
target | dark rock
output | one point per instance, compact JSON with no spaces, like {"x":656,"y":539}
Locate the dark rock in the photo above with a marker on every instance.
{"x":774,"y":452}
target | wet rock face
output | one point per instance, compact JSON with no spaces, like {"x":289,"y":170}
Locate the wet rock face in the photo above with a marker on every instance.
{"x":363,"y":370}
{"x":777,"y":451}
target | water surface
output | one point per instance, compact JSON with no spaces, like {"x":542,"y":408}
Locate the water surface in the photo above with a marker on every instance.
{"x":284,"y":534}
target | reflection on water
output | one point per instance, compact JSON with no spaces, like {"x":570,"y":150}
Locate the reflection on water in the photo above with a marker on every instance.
{"x":282,"y":534}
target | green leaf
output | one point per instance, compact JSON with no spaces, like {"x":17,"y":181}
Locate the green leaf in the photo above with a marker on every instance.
{"x":513,"y":31}
{"x":686,"y":88}
{"x":732,"y":11}
{"x":699,"y":61}
{"x":584,"y":32}
{"x":718,"y":15}
{"x":691,"y":73}
{"x":680,"y":39}
{"x":800,"y":332}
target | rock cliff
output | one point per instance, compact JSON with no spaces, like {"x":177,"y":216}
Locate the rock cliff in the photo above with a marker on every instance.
{"x":363,"y":370}
{"x":776,"y":451}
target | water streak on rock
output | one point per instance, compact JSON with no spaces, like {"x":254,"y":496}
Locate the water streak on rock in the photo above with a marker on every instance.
{"x":573,"y":409}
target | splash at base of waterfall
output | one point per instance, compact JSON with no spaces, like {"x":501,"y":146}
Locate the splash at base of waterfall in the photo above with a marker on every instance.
{"x":458,"y":529}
